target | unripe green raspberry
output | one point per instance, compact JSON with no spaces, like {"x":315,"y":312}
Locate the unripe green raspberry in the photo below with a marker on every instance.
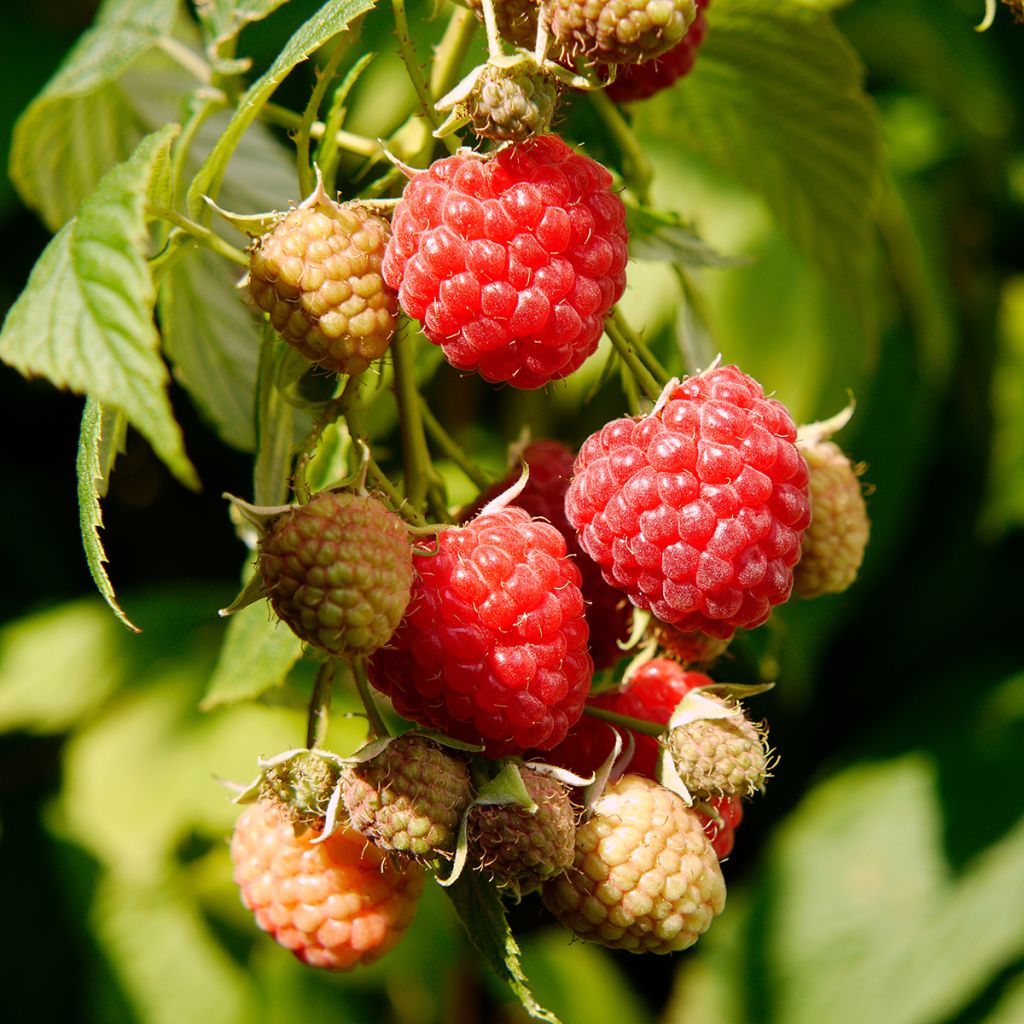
{"x":520,"y":850}
{"x":720,"y":756}
{"x":834,"y":543}
{"x":300,"y":786}
{"x":619,"y":31}
{"x":644,"y":876}
{"x":409,"y":798}
{"x":512,"y":103}
{"x":317,"y":274}
{"x":338,"y":571}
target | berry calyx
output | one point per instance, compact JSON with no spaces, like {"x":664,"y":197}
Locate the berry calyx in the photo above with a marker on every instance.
{"x":317,"y":273}
{"x":493,"y":646}
{"x":512,"y":261}
{"x":338,"y":571}
{"x":409,"y":798}
{"x":644,"y":877}
{"x":336,"y":904}
{"x":697,"y":510}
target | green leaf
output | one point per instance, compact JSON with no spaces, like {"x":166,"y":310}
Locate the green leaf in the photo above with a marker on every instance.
{"x":83,"y":122}
{"x":85,"y":319}
{"x":483,"y":914}
{"x":664,"y":235}
{"x":332,"y":18}
{"x":776,"y":101}
{"x":213,"y":341}
{"x":258,"y":652}
{"x":101,"y":439}
{"x":224,"y":19}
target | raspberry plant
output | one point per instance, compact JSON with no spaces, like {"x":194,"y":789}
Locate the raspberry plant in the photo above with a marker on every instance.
{"x":326,"y":287}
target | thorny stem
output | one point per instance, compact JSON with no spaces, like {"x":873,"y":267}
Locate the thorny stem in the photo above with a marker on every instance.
{"x":201,"y":234}
{"x":324,"y":77}
{"x":452,"y":50}
{"x":383,"y":483}
{"x":320,"y":706}
{"x":644,"y":378}
{"x":415,"y":72}
{"x":274,"y":113}
{"x":650,"y":360}
{"x":636,"y":168}
{"x":451,"y":447}
{"x":300,"y":485}
{"x":377,"y":726}
{"x":635,"y":724}
{"x":328,"y":152}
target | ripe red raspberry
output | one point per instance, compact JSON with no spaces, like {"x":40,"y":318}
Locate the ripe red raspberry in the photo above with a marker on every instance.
{"x":511,"y":261}
{"x":338,"y":571}
{"x":335,"y":904}
{"x":318,"y":274}
{"x":833,"y":546}
{"x":652,"y":693}
{"x":608,"y":613}
{"x":618,"y":31}
{"x":641,"y":81}
{"x":722,"y":836}
{"x":697,"y":510}
{"x":493,"y":647}
{"x":644,"y":878}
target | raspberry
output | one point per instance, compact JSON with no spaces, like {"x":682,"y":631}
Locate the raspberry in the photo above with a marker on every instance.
{"x":512,"y":103}
{"x":493,"y":647}
{"x":520,"y":850}
{"x":517,"y":20}
{"x":833,"y":546}
{"x":301,"y":785}
{"x":644,"y":877}
{"x":720,"y":756}
{"x":511,"y":261}
{"x":336,"y":904}
{"x":338,"y":571}
{"x":409,"y":798}
{"x":697,"y":510}
{"x":318,"y":275}
{"x":619,"y":31}
{"x":722,"y":835}
{"x":652,"y":693}
{"x":608,"y":614}
{"x":694,"y":648}
{"x":641,"y":81}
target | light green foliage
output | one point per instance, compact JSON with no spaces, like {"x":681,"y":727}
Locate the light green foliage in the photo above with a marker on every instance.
{"x":224,"y":19}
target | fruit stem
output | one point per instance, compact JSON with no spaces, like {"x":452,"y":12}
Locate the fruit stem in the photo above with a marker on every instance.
{"x":451,"y":51}
{"x":415,"y":72}
{"x":641,"y":725}
{"x":300,"y":485}
{"x":377,"y":726}
{"x":635,"y":339}
{"x":636,"y":168}
{"x":494,"y":50}
{"x":201,"y":234}
{"x":320,"y":706}
{"x":450,"y":447}
{"x":644,"y":378}
{"x":324,"y":77}
{"x":274,"y":113}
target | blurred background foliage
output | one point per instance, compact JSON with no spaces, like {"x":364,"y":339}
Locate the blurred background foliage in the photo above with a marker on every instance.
{"x":881,"y":879}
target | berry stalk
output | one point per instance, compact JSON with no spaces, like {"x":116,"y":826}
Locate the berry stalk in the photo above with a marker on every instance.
{"x":320,"y":706}
{"x":628,"y":354}
{"x":642,"y":725}
{"x":377,"y":726}
{"x":324,"y":77}
{"x":451,"y":448}
{"x":636,"y":168}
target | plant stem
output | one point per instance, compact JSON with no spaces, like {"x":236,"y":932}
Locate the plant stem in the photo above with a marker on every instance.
{"x":450,"y":447}
{"x":636,"y":168}
{"x":300,"y":485}
{"x":415,"y":454}
{"x":377,"y":726}
{"x":415,"y":72}
{"x":452,"y":50}
{"x":650,"y":360}
{"x":186,"y":58}
{"x":644,"y":378}
{"x":201,"y":234}
{"x":494,"y":50}
{"x":320,"y":706}
{"x":641,"y":725}
{"x":324,"y":77}
{"x":274,"y":113}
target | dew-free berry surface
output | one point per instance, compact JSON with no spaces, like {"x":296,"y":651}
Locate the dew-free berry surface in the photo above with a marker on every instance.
{"x":512,"y":261}
{"x":493,"y":646}
{"x":696,"y":511}
{"x":511,"y":104}
{"x":338,"y":571}
{"x":336,"y":905}
{"x":318,"y":274}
